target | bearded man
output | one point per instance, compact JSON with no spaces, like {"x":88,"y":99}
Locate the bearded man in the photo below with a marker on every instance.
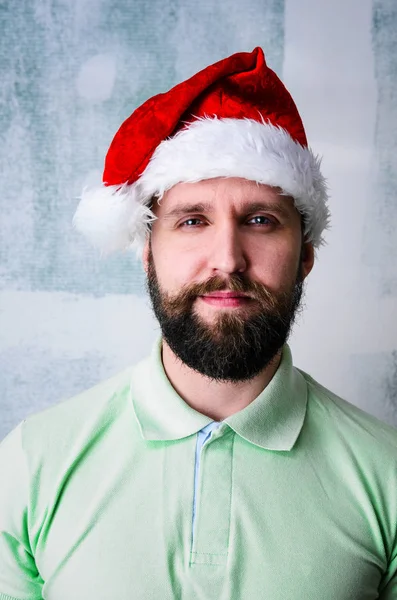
{"x":214,"y":468}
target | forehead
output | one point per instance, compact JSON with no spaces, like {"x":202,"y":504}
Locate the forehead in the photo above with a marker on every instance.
{"x":226,"y":193}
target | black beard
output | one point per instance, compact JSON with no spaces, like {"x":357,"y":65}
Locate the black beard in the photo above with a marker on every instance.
{"x":235,"y":348}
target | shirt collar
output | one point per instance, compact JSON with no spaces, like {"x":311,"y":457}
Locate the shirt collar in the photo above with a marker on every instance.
{"x":272,"y":421}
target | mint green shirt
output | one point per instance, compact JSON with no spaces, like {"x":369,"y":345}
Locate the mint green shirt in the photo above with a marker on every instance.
{"x":296,"y":497}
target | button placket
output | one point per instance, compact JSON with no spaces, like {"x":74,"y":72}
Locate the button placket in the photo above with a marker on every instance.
{"x":212,"y":521}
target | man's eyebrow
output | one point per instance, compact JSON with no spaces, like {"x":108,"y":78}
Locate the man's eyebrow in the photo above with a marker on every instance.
{"x":275,"y":207}
{"x":252,"y":207}
{"x":186,"y":209}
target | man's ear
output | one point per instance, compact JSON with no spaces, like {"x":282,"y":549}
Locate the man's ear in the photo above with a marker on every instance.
{"x":307,"y":261}
{"x":145,"y":254}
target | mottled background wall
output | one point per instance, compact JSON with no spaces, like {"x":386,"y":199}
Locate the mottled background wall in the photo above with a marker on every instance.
{"x":72,"y":70}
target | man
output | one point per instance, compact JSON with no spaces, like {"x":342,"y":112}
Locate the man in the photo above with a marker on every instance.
{"x":214,"y":468}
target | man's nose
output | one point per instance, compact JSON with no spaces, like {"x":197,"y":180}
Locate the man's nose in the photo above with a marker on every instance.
{"x":226,"y":252}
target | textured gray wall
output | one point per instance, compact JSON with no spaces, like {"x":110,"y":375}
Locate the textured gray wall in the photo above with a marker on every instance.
{"x":340,"y":63}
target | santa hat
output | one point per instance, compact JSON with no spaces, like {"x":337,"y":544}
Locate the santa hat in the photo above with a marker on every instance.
{"x":233,"y":119}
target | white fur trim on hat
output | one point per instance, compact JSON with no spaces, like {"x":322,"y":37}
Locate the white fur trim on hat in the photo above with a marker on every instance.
{"x":116,"y":217}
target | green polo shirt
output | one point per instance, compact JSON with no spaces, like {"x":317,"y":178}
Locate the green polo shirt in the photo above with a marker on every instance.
{"x":296,"y":496}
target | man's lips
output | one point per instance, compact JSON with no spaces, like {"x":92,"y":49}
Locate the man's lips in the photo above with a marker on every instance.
{"x":226,"y":299}
{"x":225,"y":295}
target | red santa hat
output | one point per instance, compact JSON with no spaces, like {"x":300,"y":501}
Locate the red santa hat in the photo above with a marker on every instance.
{"x":234,"y":118}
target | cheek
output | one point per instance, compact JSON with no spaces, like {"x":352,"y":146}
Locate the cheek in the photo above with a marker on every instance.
{"x":276,"y":266}
{"x":174,"y":268}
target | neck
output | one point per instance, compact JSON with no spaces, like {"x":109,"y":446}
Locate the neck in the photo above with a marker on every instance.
{"x":215,"y":399}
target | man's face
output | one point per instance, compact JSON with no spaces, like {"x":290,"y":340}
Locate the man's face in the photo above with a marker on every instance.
{"x":225,"y":267}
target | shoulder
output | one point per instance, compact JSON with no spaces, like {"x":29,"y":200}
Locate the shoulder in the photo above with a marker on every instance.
{"x":55,"y":430}
{"x":102,"y":396}
{"x":60,"y":446}
{"x":354,"y":426}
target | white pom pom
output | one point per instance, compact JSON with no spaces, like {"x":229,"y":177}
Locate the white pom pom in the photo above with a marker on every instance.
{"x":113,"y":218}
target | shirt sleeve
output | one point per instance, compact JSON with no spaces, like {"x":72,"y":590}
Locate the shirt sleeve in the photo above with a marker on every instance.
{"x":19,"y":577}
{"x":388,"y":586}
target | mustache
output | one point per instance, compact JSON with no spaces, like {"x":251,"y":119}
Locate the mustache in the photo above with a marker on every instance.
{"x":235,"y":283}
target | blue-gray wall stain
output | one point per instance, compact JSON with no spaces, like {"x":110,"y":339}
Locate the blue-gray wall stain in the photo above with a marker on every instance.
{"x":377,"y":373}
{"x":44,"y":380}
{"x":376,"y":377}
{"x":380,"y":238}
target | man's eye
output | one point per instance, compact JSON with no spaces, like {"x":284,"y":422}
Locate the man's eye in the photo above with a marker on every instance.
{"x":261,"y":220}
{"x":192,"y":222}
